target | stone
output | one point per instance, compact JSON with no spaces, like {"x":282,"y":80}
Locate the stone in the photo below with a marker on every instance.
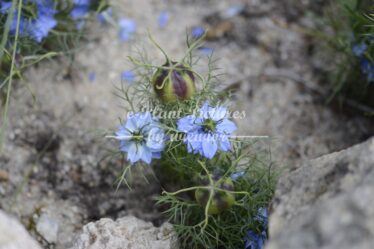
{"x":47,"y":228}
{"x":326,"y":202}
{"x":125,"y":233}
{"x":13,"y":235}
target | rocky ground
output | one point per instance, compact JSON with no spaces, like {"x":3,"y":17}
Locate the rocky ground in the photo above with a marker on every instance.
{"x":55,"y":173}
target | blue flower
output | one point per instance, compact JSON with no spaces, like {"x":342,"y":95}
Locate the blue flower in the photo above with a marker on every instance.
{"x":367,"y":68}
{"x":197,"y":32}
{"x":254,"y":240}
{"x":141,"y":138}
{"x":359,"y":49}
{"x":92,"y":76}
{"x":126,"y":28}
{"x":163,"y":19}
{"x":81,"y":9}
{"x":36,"y":28}
{"x":128,"y":76}
{"x":208,"y":132}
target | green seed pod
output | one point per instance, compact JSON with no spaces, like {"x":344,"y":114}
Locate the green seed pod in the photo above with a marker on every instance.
{"x":171,"y":85}
{"x":222,"y":199}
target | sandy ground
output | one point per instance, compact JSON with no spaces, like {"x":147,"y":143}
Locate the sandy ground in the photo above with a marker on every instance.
{"x":54,"y":161}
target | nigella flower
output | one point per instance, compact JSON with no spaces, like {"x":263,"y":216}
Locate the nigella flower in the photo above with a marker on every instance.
{"x":359,"y":49}
{"x":126,"y":28}
{"x":255,"y":240}
{"x":36,"y":27}
{"x":141,"y":138}
{"x":367,"y":68}
{"x":81,"y":9}
{"x":197,"y":32}
{"x":208,"y":132}
{"x":163,"y":19}
{"x":127,"y":76}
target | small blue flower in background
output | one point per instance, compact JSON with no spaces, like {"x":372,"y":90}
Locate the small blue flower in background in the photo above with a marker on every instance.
{"x":359,"y":49}
{"x":128,"y":76}
{"x":126,"y":28}
{"x":367,"y":68}
{"x":197,"y":32}
{"x":36,"y":28}
{"x":103,"y":17}
{"x":92,"y":76}
{"x":208,"y":132}
{"x":254,"y":240}
{"x":141,"y":138}
{"x":233,"y":10}
{"x":81,"y":9}
{"x":163,"y":19}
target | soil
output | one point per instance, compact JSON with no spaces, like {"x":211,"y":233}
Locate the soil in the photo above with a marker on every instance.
{"x":55,"y":159}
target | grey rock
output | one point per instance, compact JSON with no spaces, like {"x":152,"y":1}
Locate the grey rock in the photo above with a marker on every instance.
{"x":48,"y":228}
{"x":13,"y":235}
{"x":327,"y":202}
{"x":127,"y":232}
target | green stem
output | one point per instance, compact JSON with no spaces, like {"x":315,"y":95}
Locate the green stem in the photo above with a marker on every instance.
{"x":7,"y":100}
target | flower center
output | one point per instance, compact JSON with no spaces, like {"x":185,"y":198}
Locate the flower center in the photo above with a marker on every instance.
{"x":209,"y":125}
{"x":137,"y":137}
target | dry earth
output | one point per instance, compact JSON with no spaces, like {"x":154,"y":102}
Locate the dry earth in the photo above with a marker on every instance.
{"x":53,"y":162}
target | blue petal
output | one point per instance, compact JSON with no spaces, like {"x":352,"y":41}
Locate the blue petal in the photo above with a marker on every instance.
{"x":224,"y":142}
{"x":146,"y":154}
{"x":217,"y":113}
{"x":133,"y":153}
{"x":79,"y":11}
{"x":40,"y":27}
{"x":209,"y":145}
{"x":187,"y":124}
{"x":226,"y":126}
{"x":204,"y":110}
{"x":123,"y":134}
{"x":155,"y":140}
{"x":194,"y":143}
{"x":5,"y":6}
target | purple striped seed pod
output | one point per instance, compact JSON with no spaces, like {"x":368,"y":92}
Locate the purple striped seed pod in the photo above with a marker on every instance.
{"x":174,"y":83}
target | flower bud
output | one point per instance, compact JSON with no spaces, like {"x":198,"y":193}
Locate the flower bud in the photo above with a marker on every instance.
{"x":222,"y":199}
{"x":174,"y":84}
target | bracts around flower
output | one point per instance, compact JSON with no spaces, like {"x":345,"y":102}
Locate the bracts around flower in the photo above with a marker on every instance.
{"x":216,"y":187}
